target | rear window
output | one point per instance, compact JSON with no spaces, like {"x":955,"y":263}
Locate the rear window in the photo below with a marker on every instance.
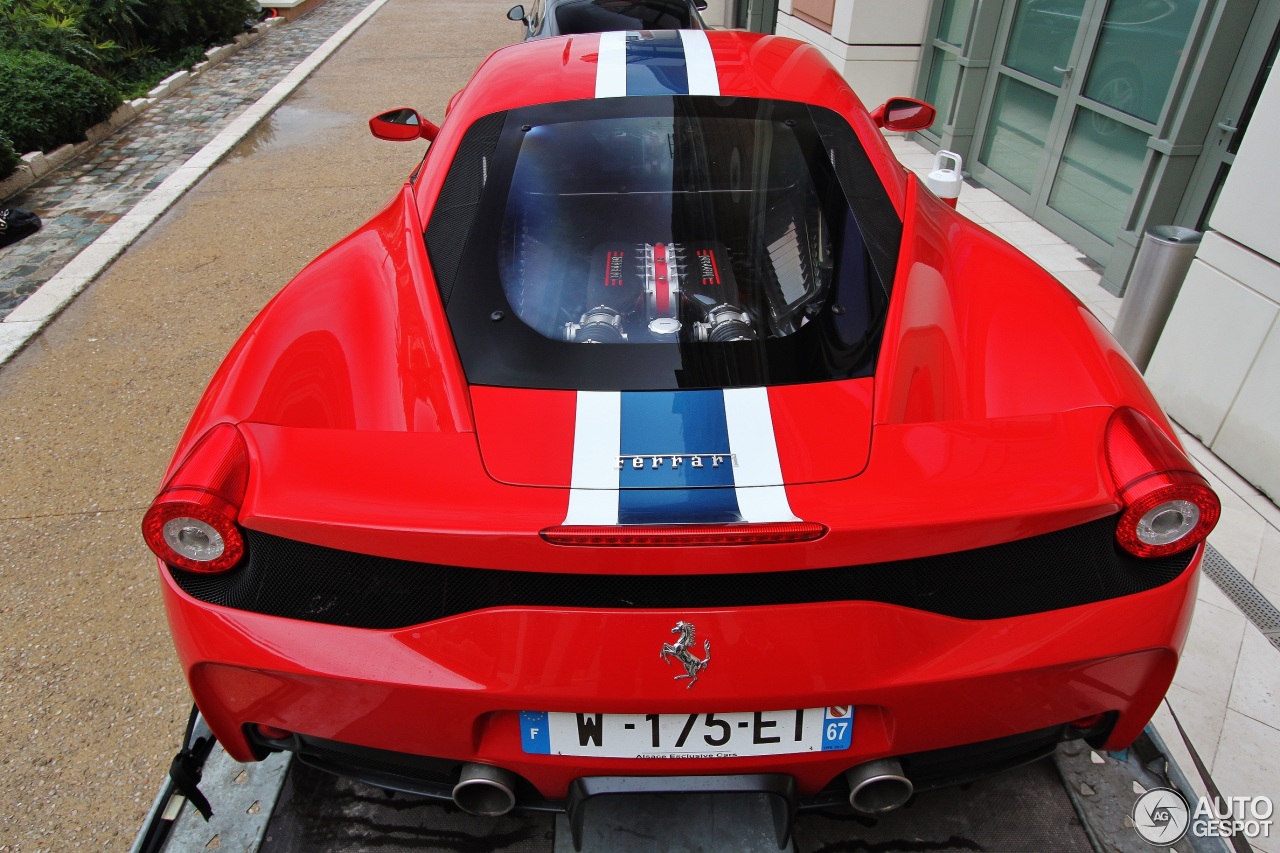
{"x":664,"y":242}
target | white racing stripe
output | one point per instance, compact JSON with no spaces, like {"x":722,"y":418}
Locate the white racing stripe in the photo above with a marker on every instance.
{"x":611,"y":67}
{"x":764,"y":503}
{"x":593,"y":493}
{"x":758,"y":475}
{"x":700,"y":64}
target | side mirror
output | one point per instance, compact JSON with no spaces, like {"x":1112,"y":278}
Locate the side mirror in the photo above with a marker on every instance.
{"x":402,"y":125}
{"x":516,"y":13}
{"x":904,"y":114}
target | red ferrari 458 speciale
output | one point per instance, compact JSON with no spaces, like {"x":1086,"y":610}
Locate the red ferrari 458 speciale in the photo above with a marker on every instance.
{"x":664,"y":415}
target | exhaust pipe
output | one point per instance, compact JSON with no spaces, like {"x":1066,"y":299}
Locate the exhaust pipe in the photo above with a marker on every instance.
{"x":485,"y":790}
{"x":878,"y":786}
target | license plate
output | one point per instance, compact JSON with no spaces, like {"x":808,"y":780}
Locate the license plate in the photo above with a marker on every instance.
{"x":687,"y":735}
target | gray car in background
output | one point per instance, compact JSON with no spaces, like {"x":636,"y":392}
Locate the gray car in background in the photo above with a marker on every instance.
{"x":544,"y":18}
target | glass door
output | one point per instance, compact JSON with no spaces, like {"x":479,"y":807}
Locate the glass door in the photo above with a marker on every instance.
{"x":1022,"y":105}
{"x":1075,"y":99}
{"x":944,"y":54}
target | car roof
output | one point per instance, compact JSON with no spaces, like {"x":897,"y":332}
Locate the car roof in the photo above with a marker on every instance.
{"x":727,"y":63}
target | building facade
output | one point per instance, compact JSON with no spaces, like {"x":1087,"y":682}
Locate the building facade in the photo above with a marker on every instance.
{"x":1099,"y":119}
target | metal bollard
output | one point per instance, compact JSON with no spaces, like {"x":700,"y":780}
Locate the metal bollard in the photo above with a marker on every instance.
{"x":1162,"y":264}
{"x":946,"y":183}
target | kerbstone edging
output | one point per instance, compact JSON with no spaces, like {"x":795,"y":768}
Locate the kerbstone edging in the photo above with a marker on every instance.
{"x":36,"y":164}
{"x":21,"y":178}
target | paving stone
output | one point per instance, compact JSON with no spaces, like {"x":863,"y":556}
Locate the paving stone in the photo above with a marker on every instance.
{"x":81,"y":200}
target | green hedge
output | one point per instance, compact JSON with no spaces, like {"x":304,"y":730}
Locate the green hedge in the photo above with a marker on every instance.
{"x":171,"y":25}
{"x":46,"y":102}
{"x":66,"y":64}
{"x":8,"y":157}
{"x":124,"y":41}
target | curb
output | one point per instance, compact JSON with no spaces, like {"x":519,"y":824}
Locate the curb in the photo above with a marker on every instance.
{"x":42,"y":306}
{"x":36,"y":164}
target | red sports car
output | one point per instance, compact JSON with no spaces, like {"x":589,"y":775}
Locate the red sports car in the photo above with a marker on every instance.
{"x":663,"y":415}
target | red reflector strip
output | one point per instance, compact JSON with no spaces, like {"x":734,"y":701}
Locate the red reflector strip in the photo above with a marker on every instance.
{"x":271,"y":732}
{"x":613,"y":269}
{"x":662,"y":288}
{"x":644,"y":535}
{"x":710,"y":272}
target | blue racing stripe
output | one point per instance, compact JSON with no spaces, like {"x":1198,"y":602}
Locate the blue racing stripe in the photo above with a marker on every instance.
{"x":655,"y":63}
{"x":677,"y":466}
{"x":678,"y":506}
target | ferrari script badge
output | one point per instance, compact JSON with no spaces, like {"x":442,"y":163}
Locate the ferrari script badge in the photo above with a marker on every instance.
{"x":675,"y":460}
{"x":680,"y":651}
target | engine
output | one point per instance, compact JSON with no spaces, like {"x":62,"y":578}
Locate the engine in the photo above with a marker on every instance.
{"x":661,"y":292}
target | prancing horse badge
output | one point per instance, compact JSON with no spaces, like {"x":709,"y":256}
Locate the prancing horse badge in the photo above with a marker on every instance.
{"x":680,"y":651}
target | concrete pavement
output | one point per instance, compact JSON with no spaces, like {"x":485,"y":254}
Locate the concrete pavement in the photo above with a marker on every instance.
{"x":92,"y":701}
{"x":83,"y":199}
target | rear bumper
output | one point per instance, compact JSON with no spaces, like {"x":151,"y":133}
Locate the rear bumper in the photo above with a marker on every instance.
{"x":435,"y":777}
{"x":453,"y":689}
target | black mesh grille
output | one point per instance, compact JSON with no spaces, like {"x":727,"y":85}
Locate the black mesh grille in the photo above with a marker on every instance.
{"x":300,"y":581}
{"x":459,"y":199}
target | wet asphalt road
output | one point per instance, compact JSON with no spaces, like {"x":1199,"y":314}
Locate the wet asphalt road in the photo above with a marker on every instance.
{"x":92,"y":702}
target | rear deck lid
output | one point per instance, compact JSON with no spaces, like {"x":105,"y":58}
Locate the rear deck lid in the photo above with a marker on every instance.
{"x":733,"y":439}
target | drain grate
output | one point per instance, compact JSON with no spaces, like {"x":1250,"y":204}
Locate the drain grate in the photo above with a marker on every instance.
{"x":1253,"y":604}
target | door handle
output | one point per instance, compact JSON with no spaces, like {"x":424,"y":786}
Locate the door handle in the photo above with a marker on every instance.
{"x":1227,"y":126}
{"x":1064,"y":71}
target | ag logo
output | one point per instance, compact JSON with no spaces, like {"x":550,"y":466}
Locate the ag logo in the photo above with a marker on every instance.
{"x":1161,"y":816}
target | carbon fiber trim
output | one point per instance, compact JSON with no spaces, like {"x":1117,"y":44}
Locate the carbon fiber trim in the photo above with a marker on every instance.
{"x":296,"y":580}
{"x":450,"y":223}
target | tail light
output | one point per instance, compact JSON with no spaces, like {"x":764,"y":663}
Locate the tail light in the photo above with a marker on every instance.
{"x":192,"y":523}
{"x":1168,"y":506}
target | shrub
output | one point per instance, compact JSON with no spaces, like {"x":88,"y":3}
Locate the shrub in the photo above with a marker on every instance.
{"x":49,"y":26}
{"x":46,"y":102}
{"x":146,"y":70}
{"x":8,"y":157}
{"x":123,"y":41}
{"x":170,"y":25}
